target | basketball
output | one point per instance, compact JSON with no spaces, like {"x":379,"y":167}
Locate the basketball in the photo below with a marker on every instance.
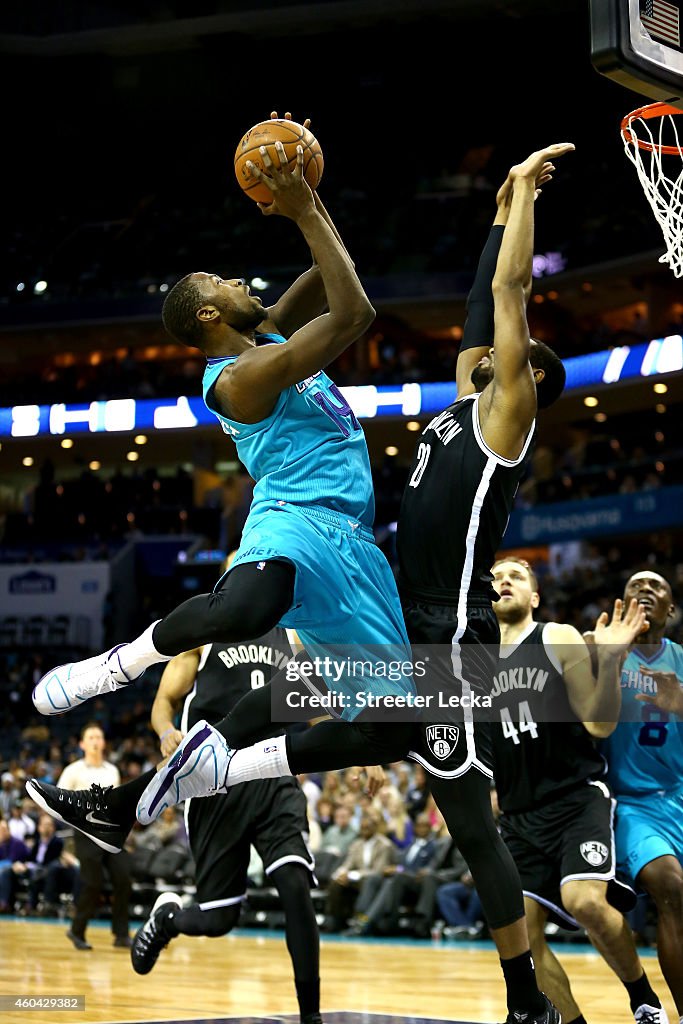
{"x":267,"y":133}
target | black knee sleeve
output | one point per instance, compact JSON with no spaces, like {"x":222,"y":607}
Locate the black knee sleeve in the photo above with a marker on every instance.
{"x":465,"y":804}
{"x":250,"y":602}
{"x":329,"y":745}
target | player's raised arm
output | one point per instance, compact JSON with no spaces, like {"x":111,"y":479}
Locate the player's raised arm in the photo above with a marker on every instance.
{"x":477,"y":336}
{"x":597,"y":703}
{"x":250,"y":386}
{"x":175,"y":684}
{"x":508,"y":409}
{"x":305,"y":298}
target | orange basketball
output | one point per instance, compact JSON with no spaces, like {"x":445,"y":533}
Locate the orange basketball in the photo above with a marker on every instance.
{"x":267,"y":133}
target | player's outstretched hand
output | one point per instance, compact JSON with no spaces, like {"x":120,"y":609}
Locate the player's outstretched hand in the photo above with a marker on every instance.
{"x":292,"y":195}
{"x":534,"y":164}
{"x":669,"y":695}
{"x":288,"y":117}
{"x":623,"y":628}
{"x":504,"y":195}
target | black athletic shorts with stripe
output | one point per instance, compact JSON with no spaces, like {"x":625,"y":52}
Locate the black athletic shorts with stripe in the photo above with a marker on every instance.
{"x":270,"y":813}
{"x":568,"y":839}
{"x":461,"y":661}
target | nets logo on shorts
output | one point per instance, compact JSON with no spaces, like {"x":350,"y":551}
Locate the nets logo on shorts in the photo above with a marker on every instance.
{"x":442,"y":740}
{"x":595,"y":853}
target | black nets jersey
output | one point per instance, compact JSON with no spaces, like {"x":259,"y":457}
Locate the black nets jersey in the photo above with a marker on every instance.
{"x":227,"y":671}
{"x":455,"y":509}
{"x":540,"y":749}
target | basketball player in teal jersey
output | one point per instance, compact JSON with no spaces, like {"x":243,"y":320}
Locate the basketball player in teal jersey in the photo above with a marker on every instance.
{"x":645,"y":771}
{"x":308,"y":558}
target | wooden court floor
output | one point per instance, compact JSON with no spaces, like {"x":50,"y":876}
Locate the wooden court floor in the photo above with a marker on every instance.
{"x":246,"y":976}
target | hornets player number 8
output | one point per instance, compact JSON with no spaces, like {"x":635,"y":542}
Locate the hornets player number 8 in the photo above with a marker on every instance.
{"x":654,"y":731}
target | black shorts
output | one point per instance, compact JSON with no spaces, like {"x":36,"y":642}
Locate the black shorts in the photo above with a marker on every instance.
{"x":270,"y":813}
{"x":450,"y":740}
{"x":570,"y":839}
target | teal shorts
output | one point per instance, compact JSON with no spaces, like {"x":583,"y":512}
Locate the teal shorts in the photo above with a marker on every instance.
{"x":648,"y":827}
{"x":346,"y":603}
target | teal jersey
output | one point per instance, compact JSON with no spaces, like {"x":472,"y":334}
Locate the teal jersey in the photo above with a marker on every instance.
{"x":311,"y":450}
{"x":645,"y":751}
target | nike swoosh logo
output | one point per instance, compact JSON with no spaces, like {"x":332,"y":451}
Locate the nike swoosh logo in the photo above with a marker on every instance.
{"x":98,"y":821}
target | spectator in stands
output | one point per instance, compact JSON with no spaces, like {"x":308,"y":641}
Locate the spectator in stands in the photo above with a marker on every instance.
{"x":352,"y":782}
{"x":43,"y":869}
{"x":315,"y":833}
{"x":338,"y":837}
{"x":324,"y":813}
{"x":9,"y":794}
{"x":21,"y":825}
{"x":81,"y":774}
{"x":459,"y":904}
{"x":401,"y":776}
{"x":370,"y":854}
{"x":168,"y":828}
{"x":435,"y":817}
{"x":332,"y":787}
{"x":12,"y":851}
{"x":334,"y":844}
{"x":386,"y":892}
{"x":312,"y":792}
{"x":399,"y":824}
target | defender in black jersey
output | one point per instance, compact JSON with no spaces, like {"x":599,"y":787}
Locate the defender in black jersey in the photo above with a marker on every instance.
{"x":270,"y":814}
{"x":465,"y":472}
{"x":557,"y":811}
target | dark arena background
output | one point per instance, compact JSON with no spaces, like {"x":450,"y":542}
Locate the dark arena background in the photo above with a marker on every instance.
{"x":120,"y":496}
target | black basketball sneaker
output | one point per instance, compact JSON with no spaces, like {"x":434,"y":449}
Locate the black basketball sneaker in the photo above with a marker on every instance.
{"x":549,"y":1016}
{"x":83,"y":809}
{"x":152,"y":937}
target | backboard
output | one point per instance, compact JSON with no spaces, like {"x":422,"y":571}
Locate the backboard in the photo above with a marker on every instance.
{"x":638,"y":43}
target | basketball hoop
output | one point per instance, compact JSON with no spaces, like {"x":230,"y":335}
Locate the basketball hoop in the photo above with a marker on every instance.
{"x":650,"y":134}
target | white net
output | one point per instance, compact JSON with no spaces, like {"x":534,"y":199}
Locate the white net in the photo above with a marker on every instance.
{"x":659,"y":163}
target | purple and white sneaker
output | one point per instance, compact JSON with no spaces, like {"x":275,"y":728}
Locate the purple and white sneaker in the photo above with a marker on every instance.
{"x":199,"y":767}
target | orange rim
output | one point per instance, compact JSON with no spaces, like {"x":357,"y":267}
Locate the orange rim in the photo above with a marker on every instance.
{"x":646,"y":113}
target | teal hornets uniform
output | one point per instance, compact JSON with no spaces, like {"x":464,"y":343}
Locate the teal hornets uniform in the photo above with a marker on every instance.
{"x":645,"y":766}
{"x":314,"y":506}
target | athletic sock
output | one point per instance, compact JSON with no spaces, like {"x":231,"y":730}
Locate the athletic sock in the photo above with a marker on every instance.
{"x":640,"y":992}
{"x":264,"y":760}
{"x":308,"y":995}
{"x":140,"y":654}
{"x":122,"y":801}
{"x":522,"y":989}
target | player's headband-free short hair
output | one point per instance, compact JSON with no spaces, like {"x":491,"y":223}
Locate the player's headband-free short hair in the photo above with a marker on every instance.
{"x":523,"y":562}
{"x":551,"y":387}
